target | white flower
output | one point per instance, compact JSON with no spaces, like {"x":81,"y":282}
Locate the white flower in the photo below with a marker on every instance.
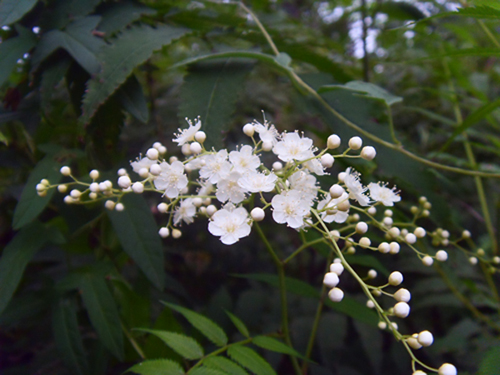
{"x":305,"y":183}
{"x":293,"y":147}
{"x":187,"y":135}
{"x":267,"y":132}
{"x":381,"y":193}
{"x":244,"y":160}
{"x":315,"y":166}
{"x":331,"y":212}
{"x":216,"y":167}
{"x":206,"y":188}
{"x":142,"y":163}
{"x":228,"y":189}
{"x":291,"y":208}
{"x":185,"y":211}
{"x":356,"y":189}
{"x":230,"y":224}
{"x":256,"y":182}
{"x":171,"y":179}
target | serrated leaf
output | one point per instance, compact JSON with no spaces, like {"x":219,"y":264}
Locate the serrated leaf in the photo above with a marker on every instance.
{"x":206,"y":326}
{"x":250,"y":359}
{"x":136,"y":230}
{"x":274,"y":345}
{"x":119,"y":15}
{"x":156,"y":367}
{"x":77,"y":39}
{"x":13,"y":10}
{"x":365,"y":89}
{"x":102,"y":311}
{"x":15,"y":257}
{"x":30,"y":205}
{"x":132,"y":99}
{"x":186,"y":346}
{"x":62,"y":12}
{"x":203,"y":370}
{"x":491,"y":362}
{"x":13,"y":49}
{"x":224,"y":364}
{"x":67,"y":336}
{"x":240,"y":326}
{"x":129,"y":50}
{"x":210,"y":91}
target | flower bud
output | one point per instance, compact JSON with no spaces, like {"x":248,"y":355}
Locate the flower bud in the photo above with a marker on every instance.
{"x":195,"y":148}
{"x":119,"y":207}
{"x":425,"y":338}
{"x":249,"y":130}
{"x":395,"y":278}
{"x":257,"y":214}
{"x":211,"y":209}
{"x":442,"y":255}
{"x":200,"y":136}
{"x":410,"y":238}
{"x":402,"y":295}
{"x":394,"y":248}
{"x":336,"y":295}
{"x":267,"y":146}
{"x":401,"y":309}
{"x":355,"y":143}
{"x":466,"y":234}
{"x":110,"y":205}
{"x":65,"y":171}
{"x":473,"y":260}
{"x":121,"y":172}
{"x":277,"y":166}
{"x":427,"y":261}
{"x":368,"y":153}
{"x":176,"y":233}
{"x":372,"y":274}
{"x":419,"y":232}
{"x":447,"y":369}
{"x":337,"y":268}
{"x":382,"y":325}
{"x":327,"y":160}
{"x":124,"y":182}
{"x":361,"y":227}
{"x":164,"y":232}
{"x":152,"y":154}
{"x":331,"y":279}
{"x":75,"y":194}
{"x":94,"y":174}
{"x":364,"y":242}
{"x":413,"y":342}
{"x":333,"y":141}
{"x":162,"y":207}
{"x":62,"y":188}
{"x":384,"y":248}
{"x":336,"y":191}
{"x":138,"y":188}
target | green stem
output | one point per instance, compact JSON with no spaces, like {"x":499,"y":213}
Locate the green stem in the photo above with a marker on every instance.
{"x":391,"y":125}
{"x":132,"y":341}
{"x":302,"y":248}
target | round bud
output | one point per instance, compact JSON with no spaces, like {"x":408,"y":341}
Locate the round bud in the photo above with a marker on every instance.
{"x":121,"y":172}
{"x":331,"y":279}
{"x":376,"y":292}
{"x":267,"y":146}
{"x":94,"y":174}
{"x":176,"y":233}
{"x":413,"y":342}
{"x":327,"y":160}
{"x":445,"y":234}
{"x":68,"y":199}
{"x":355,"y":143}
{"x":333,"y":141}
{"x":336,"y":295}
{"x":388,"y":213}
{"x":42,"y":193}
{"x":413,"y":209}
{"x":162,"y":150}
{"x":442,"y":255}
{"x":395,"y":278}
{"x":195,"y":148}
{"x":425,"y":338}
{"x":387,"y":221}
{"x":370,"y":304}
{"x":335,"y":234}
{"x":419,"y":372}
{"x":354,"y":217}
{"x":426,"y":213}
{"x":447,"y":369}
{"x":382,"y":325}
{"x":368,"y":153}
{"x":94,"y":187}
{"x":384,"y":248}
{"x":394,"y":248}
{"x":162,"y":207}
{"x":411,"y":238}
{"x":207,"y":201}
{"x":164,"y":232}
{"x":466,"y":234}
{"x":249,"y":130}
{"x":124,"y":182}
{"x":152,"y":154}
{"x":138,"y":187}
{"x":341,"y":176}
{"x":402,"y":295}
{"x":155,"y":169}
{"x":143,"y":172}
{"x":419,"y":232}
{"x":197,"y":202}
{"x":336,"y":191}
{"x":211,"y":209}
{"x":364,"y":242}
{"x":427,"y":205}
{"x":110,"y":205}
{"x":277,"y":166}
{"x":361,"y":227}
{"x":473,"y":260}
{"x":480,"y":252}
{"x":200,"y":136}
{"x":337,"y":268}
{"x":75,"y":194}
{"x":394,"y":232}
{"x":394,"y":325}
{"x":93,"y":195}
{"x":41,"y":187}
{"x":496,"y":260}
{"x":401,"y":309}
{"x":372,"y":274}
{"x":65,"y":171}
{"x":203,"y":210}
{"x":119,"y":207}
{"x":344,"y":205}
{"x":372,"y":210}
{"x":445,"y":242}
{"x":427,"y":261}
{"x":257,"y":214}
{"x":351,"y":250}
{"x":404,"y":232}
{"x":157,"y":145}
{"x":62,"y":188}
{"x":172,"y":159}
{"x":186,"y":150}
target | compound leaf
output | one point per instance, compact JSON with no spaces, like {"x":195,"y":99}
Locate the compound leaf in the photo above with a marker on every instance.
{"x":186,"y":346}
{"x":250,"y":359}
{"x":157,"y":366}
{"x":13,"y":10}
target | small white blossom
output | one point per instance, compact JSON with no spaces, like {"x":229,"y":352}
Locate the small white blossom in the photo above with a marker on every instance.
{"x":139,"y":164}
{"x":267,"y":132}
{"x":256,"y":182}
{"x":355,"y":188}
{"x":187,"y":135}
{"x":228,"y":189}
{"x":382,"y":193}
{"x":216,"y":167}
{"x":293,"y":147}
{"x":305,"y":183}
{"x":332,"y":213}
{"x":244,"y":160}
{"x":185,"y":212}
{"x":291,"y":208}
{"x":230,"y":224}
{"x":171,"y":179}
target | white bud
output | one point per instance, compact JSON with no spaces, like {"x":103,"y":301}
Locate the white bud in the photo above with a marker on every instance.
{"x":336,"y":294}
{"x":93,"y":195}
{"x":42,"y":193}
{"x":388,"y":213}
{"x":75,"y":194}
{"x":65,"y":171}
{"x":94,"y":174}
{"x":401,"y":309}
{"x":333,"y":141}
{"x":387,"y":221}
{"x":197,"y":202}
{"x":68,"y":199}
{"x":419,"y":372}
{"x":372,"y":274}
{"x":354,"y":217}
{"x":341,"y":176}
{"x":138,"y":187}
{"x":327,"y":160}
{"x":394,"y":325}
{"x":372,"y":210}
{"x":496,"y":260}
{"x":211,"y":210}
{"x":411,"y":238}
{"x":162,"y":150}
{"x":124,"y":182}
{"x":41,"y":187}
{"x":382,"y":325}
{"x":257,"y":214}
{"x":207,"y":201}
{"x":442,"y":255}
{"x":62,"y":188}
{"x":277,"y":166}
{"x":376,"y":292}
{"x":110,"y":205}
{"x":162,"y":207}
{"x":155,"y":169}
{"x":94,"y":187}
{"x":445,"y":234}
{"x":384,"y":248}
{"x":336,"y":191}
{"x":413,"y":342}
{"x":195,"y":148}
{"x":267,"y":146}
{"x":249,"y":130}
{"x":368,"y":153}
{"x":121,"y":172}
{"x":355,"y":143}
{"x":473,"y":260}
{"x":331,"y":279}
{"x":364,"y":242}
{"x":425,"y":338}
{"x":402,"y":295}
{"x":466,"y":234}
{"x":200,"y":136}
{"x":404,"y":232}
{"x":480,"y":252}
{"x":176,"y":233}
{"x":202,"y":210}
{"x":152,"y":154}
{"x":164,"y":232}
{"x":344,"y":205}
{"x":335,"y":234}
{"x":172,"y":159}
{"x":447,"y":369}
{"x":427,"y":261}
{"x":337,"y":268}
{"x":395,"y":278}
{"x":143,"y":172}
{"x":119,"y":207}
{"x":361,"y":227}
{"x":370,"y":304}
{"x":419,"y":232}
{"x":394,"y":248}
{"x":426,"y":213}
{"x":157,"y":145}
{"x":186,"y":149}
{"x":394,"y":231}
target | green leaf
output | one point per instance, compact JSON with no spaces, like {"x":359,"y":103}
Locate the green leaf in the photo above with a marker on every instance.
{"x":102,"y":311}
{"x":67,"y":336}
{"x":186,"y":346}
{"x":62,"y":12}
{"x":130,"y":49}
{"x":242,"y":328}
{"x":77,"y":39}
{"x":13,"y":10}
{"x":119,"y":15}
{"x":13,"y":49}
{"x":4,"y":139}
{"x":156,"y":367}
{"x":224,"y":364}
{"x":203,"y":370}
{"x":15,"y":257}
{"x":274,"y":345}
{"x":132,"y":99}
{"x":207,"y":327}
{"x":491,"y":362}
{"x":210,"y":91}
{"x":136,"y":230}
{"x":250,"y":359}
{"x":480,"y":11}
{"x":30,"y":204}
{"x":365,"y":89}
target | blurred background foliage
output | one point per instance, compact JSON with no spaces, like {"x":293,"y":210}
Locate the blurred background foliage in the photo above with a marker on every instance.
{"x":92,"y":83}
